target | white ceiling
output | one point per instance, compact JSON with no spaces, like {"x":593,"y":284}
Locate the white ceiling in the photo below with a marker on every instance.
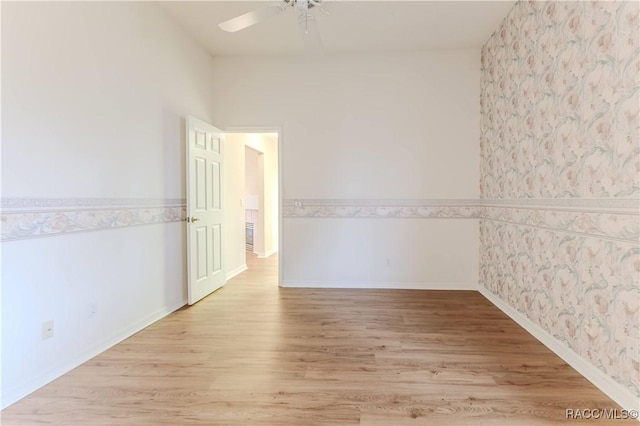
{"x":351,"y":26}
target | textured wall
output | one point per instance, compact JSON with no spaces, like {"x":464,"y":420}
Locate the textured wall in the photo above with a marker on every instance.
{"x":560,"y":174}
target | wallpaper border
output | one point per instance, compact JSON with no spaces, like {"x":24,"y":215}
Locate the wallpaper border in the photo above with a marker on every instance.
{"x":371,"y":208}
{"x":298,"y":207}
{"x":26,"y":218}
{"x":614,"y":219}
{"x":47,"y":204}
{"x":612,"y":225}
{"x":622,"y":205}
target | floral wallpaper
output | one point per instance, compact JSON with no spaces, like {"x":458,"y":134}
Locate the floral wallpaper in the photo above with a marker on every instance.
{"x":560,"y":119}
{"x":582,"y":290}
{"x":560,"y":102}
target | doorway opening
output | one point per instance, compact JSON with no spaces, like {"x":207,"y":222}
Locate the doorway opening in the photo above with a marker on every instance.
{"x":252,"y":191}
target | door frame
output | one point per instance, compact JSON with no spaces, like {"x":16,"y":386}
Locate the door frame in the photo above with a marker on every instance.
{"x":279,"y":132}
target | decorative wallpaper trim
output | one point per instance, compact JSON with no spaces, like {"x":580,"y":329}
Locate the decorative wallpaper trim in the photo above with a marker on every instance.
{"x":569,"y":232}
{"x":313,"y":207}
{"x":363,"y":211}
{"x":48,"y":204}
{"x":610,"y":225}
{"x":34,"y":218}
{"x":379,"y":208}
{"x":632,"y":204}
{"x":604,"y":218}
{"x":383,"y":202}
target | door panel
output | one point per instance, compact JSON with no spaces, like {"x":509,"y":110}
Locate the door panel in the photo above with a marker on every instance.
{"x":217,"y":244}
{"x":201,"y":139}
{"x":201,"y":185}
{"x":215,"y":189}
{"x":204,"y":209}
{"x":201,"y":245}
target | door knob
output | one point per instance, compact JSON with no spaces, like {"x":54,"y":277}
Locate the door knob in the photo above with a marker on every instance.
{"x":192,"y":219}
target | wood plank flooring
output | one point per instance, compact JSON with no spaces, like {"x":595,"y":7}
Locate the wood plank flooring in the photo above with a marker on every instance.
{"x":254,"y":354}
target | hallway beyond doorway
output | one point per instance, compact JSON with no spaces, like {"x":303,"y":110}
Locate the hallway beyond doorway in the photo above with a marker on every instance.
{"x":253,"y":196}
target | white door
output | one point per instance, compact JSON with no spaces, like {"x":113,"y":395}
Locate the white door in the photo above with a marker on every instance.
{"x":204,"y":209}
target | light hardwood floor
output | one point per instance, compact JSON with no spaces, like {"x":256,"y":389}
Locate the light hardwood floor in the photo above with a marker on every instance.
{"x":254,"y":354}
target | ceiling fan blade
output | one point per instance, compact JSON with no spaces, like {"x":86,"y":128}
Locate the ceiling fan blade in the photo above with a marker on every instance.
{"x":251,"y":18}
{"x":311,"y":36}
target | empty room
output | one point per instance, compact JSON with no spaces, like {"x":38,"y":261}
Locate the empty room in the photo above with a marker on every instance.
{"x":316,"y":212}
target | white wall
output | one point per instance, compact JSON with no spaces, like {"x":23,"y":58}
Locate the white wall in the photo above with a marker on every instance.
{"x":379,"y":253}
{"x":254,"y":192}
{"x":93,"y":100}
{"x":373,"y":127}
{"x":253,"y":181}
{"x":234,"y":213}
{"x":268,"y":144}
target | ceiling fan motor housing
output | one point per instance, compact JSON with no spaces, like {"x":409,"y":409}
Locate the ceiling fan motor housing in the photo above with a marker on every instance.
{"x":303,"y":5}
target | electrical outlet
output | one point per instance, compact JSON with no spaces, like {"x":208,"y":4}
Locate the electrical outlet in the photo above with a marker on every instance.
{"x":47,"y":329}
{"x":632,"y":348}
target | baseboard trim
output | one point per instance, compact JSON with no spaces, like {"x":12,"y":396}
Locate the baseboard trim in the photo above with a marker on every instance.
{"x":267,"y":254}
{"x":16,"y":393}
{"x":240,"y":269}
{"x":606,"y":384}
{"x":380,"y":285}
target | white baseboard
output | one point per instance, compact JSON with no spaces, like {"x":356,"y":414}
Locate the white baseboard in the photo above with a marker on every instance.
{"x":380,"y":285}
{"x":14,"y":394}
{"x":620,"y":394}
{"x":240,"y":269}
{"x":267,"y":254}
